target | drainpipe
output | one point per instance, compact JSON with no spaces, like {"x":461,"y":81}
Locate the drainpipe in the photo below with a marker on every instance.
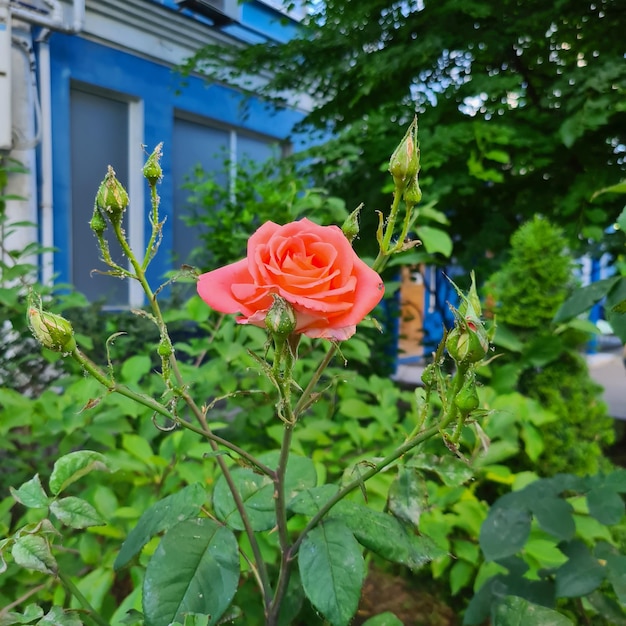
{"x":54,"y":22}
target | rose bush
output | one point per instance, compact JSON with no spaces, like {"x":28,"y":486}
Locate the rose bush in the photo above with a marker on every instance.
{"x":312,"y":267}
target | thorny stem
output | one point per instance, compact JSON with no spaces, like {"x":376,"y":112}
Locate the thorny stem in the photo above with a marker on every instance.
{"x":73,"y":590}
{"x":447,"y":418}
{"x":156,"y":227}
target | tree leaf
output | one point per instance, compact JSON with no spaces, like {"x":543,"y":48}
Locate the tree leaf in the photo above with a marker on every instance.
{"x":310,"y":501}
{"x":332,"y":570}
{"x":504,"y":532}
{"x":581,"y":574}
{"x":33,"y":552}
{"x":73,"y":466}
{"x":435,"y":240}
{"x":76,"y":513}
{"x":160,"y":517}
{"x":195,"y":569}
{"x":385,"y":535}
{"x":584,"y":298}
{"x":31,"y":613}
{"x":515,"y":611}
{"x":451,"y":470}
{"x":31,"y":494}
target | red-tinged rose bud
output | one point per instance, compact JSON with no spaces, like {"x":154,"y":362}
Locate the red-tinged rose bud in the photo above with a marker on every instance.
{"x":467,"y":342}
{"x":52,"y":331}
{"x":112,"y":198}
{"x":281,"y":318}
{"x":152,"y":170}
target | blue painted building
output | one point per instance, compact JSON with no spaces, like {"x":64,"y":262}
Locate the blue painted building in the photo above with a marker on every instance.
{"x":101,"y":88}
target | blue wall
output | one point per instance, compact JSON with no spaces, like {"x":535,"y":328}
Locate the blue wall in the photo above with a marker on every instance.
{"x":162,"y":93}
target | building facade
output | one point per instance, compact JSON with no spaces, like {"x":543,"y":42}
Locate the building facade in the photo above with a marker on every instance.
{"x":96,"y":83}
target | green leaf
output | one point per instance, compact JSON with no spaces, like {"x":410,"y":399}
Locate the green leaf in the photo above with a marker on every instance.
{"x":515,"y":611}
{"x":554,"y":515}
{"x":435,"y":240}
{"x":332,"y":570}
{"x":605,"y":505}
{"x":507,"y":338}
{"x":310,"y":501}
{"x":461,"y":573}
{"x":31,"y":494}
{"x":56,"y":616}
{"x":33,"y":552}
{"x":451,"y":470}
{"x":73,"y":466}
{"x":408,"y":496}
{"x":616,"y":566}
{"x":195,"y":569}
{"x":134,"y":368}
{"x":385,"y":535}
{"x":160,"y":517}
{"x":581,"y":574}
{"x":76,"y":513}
{"x":257,"y":491}
{"x":31,"y":613}
{"x":617,"y":188}
{"x":584,"y":298}
{"x":384,"y":619}
{"x":504,"y":532}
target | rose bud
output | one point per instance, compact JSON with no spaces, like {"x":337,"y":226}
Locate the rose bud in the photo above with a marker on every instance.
{"x":112,"y":198}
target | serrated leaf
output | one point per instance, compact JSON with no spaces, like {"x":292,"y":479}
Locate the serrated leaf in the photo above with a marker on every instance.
{"x":30,"y":614}
{"x":33,"y":552}
{"x":332,"y":570}
{"x":555,"y":516}
{"x":56,"y":616}
{"x":515,"y":611}
{"x":605,"y":505}
{"x":581,"y":574}
{"x":504,"y":532}
{"x":195,"y":569}
{"x":452,"y":471}
{"x":73,"y":466}
{"x":385,"y":535}
{"x":31,"y":494}
{"x":408,"y":496}
{"x":310,"y":501}
{"x":160,"y":517}
{"x":257,"y":491}
{"x":76,"y":513}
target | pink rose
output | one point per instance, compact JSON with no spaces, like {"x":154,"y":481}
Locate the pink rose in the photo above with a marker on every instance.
{"x":312,"y":267}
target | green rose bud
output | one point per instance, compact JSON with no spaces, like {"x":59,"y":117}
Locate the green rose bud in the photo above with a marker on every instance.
{"x":281,"y":318}
{"x":112,"y":198}
{"x":412,"y":193}
{"x":97,"y":223}
{"x":52,"y":331}
{"x":467,"y":399}
{"x":152,"y":170}
{"x":350,"y":227}
{"x":405,"y":161}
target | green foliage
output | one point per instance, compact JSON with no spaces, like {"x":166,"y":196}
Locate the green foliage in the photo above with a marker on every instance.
{"x":583,"y":429}
{"x":543,"y":539}
{"x":541,"y":360}
{"x":521,"y":105}
{"x":534,"y":281}
{"x":276,"y":190}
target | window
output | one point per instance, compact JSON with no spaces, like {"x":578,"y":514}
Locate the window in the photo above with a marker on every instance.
{"x":196,"y":144}
{"x":99,"y":137}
